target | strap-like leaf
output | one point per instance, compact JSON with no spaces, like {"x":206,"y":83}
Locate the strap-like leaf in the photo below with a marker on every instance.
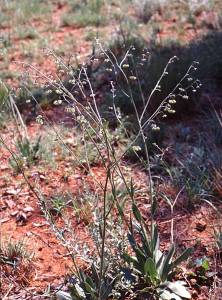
{"x":132,"y":189}
{"x":159,"y":257}
{"x":155,"y":237}
{"x":167,"y":263}
{"x":186,"y":253}
{"x":95,"y":274}
{"x":179,"y":289}
{"x":130,"y":259}
{"x":63,"y":296}
{"x":154,"y":206}
{"x":150,"y":269}
{"x":136,"y":213}
{"x":120,"y":209}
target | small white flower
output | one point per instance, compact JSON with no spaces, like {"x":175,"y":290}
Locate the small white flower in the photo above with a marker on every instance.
{"x":155,"y":127}
{"x":181,"y":89}
{"x":39,"y":119}
{"x":171,"y":111}
{"x":132,"y":78}
{"x":72,"y":81}
{"x":136,"y":148}
{"x":172,"y":101}
{"x":57,"y":102}
{"x":59,"y":92}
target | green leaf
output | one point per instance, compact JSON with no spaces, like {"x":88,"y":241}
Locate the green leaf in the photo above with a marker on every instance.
{"x":179,"y":289}
{"x":63,"y":296}
{"x":166,"y":295}
{"x":132,"y":240}
{"x":150,"y":269}
{"x":89,"y":282}
{"x":155,"y":238}
{"x":108,"y":288}
{"x":136,"y":213}
{"x":88,"y":288}
{"x":184,"y":256}
{"x":153,"y":206}
{"x":140,"y":255}
{"x":132,"y":189}
{"x":167,"y":264}
{"x":120,"y":210}
{"x":79,"y":292}
{"x":205,"y":264}
{"x":129,"y":259}
{"x":159,"y":259}
{"x":95,"y":274}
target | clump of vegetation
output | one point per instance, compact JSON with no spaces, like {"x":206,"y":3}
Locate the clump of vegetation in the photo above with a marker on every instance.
{"x":150,"y":265}
{"x":28,"y":153}
{"x":145,"y":9}
{"x":102,"y":279}
{"x":123,"y":106}
{"x":85,"y":13}
{"x":13,"y":252}
{"x":3,"y":105}
{"x":15,"y":262}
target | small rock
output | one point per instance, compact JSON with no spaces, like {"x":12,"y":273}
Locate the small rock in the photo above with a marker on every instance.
{"x":14,"y":213}
{"x":201,"y":226}
{"x":28,"y":209}
{"x":39,"y":224}
{"x":193,"y":281}
{"x":4,"y":167}
{"x":42,"y":177}
{"x":11,"y":192}
{"x":4,"y":220}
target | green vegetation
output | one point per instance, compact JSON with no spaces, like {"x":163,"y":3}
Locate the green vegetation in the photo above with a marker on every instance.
{"x":134,"y":138}
{"x":27,"y":154}
{"x":85,"y":13}
{"x":13,"y":252}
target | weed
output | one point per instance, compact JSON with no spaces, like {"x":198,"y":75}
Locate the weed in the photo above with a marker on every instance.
{"x":197,"y":6}
{"x":85,"y":14}
{"x":27,"y":154}
{"x":15,"y":263}
{"x":12,"y":252}
{"x":58,"y":203}
{"x":83,"y":205}
{"x":217,"y":182}
{"x":29,"y":33}
{"x":150,"y":264}
{"x":4,"y":107}
{"x":218,"y":238}
{"x":26,"y":10}
{"x":107,"y":230}
{"x":88,"y":286}
{"x":5,"y":41}
{"x":145,"y":9}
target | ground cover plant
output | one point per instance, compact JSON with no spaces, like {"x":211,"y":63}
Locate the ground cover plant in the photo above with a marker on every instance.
{"x":110,"y":162}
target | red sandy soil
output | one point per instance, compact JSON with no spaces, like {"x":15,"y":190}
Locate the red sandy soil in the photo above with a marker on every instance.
{"x":82,"y":48}
{"x":22,"y":218}
{"x":51,"y":261}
